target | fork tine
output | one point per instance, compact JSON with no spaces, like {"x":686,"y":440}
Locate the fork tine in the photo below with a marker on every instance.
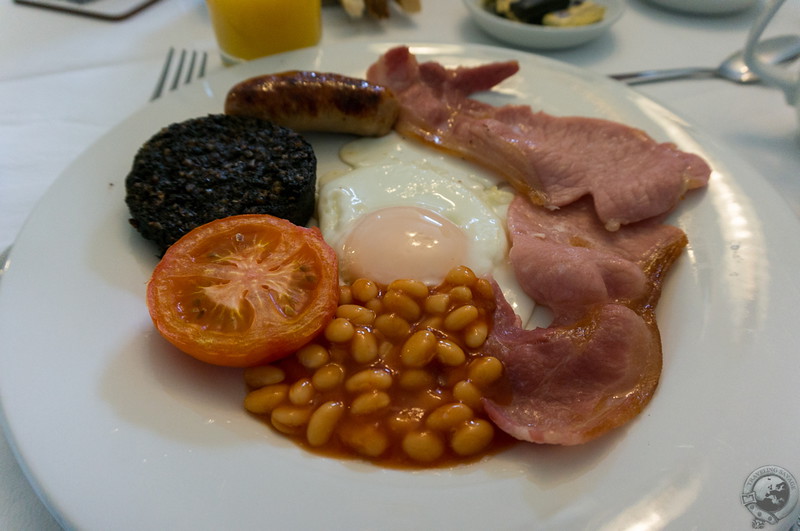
{"x":202,"y":71}
{"x":163,"y":78}
{"x":183,"y":71}
{"x":176,"y":80}
{"x":190,"y":70}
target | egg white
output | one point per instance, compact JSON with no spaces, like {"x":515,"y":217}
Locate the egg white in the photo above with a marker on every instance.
{"x":390,"y":172}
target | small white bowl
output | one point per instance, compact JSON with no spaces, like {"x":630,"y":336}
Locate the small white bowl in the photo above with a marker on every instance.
{"x":543,"y":37}
{"x":706,"y":7}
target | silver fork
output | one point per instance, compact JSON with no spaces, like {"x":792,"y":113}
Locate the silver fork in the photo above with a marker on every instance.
{"x":172,"y":76}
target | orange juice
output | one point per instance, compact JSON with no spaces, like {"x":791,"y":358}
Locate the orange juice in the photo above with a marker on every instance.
{"x":247,"y":29}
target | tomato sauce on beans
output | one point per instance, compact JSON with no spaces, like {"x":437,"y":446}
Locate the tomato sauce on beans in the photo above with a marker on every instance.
{"x":397,"y":377}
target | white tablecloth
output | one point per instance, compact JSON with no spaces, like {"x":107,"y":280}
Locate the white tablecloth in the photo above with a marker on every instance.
{"x":66,"y":80}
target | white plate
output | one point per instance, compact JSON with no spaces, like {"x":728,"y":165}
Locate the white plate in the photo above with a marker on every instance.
{"x":116,"y":430}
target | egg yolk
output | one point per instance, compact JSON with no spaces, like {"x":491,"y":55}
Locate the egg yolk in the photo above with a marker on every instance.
{"x":403,"y":242}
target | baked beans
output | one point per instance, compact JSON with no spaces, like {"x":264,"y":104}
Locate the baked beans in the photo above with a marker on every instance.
{"x":397,"y":376}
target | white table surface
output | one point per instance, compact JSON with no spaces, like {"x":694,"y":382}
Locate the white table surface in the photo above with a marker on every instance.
{"x":66,"y":80}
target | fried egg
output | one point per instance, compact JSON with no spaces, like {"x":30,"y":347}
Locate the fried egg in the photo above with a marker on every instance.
{"x":406,"y":211}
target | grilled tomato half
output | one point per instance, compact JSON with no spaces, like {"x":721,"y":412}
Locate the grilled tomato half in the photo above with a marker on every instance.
{"x":244,"y":290}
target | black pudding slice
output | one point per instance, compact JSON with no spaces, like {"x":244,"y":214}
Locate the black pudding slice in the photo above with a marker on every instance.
{"x":193,"y":172}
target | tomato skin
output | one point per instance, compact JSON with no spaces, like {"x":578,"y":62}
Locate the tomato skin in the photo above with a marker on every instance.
{"x":244,"y":290}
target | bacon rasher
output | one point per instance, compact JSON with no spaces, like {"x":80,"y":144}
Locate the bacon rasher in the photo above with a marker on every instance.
{"x":599,"y":362}
{"x":553,"y":160}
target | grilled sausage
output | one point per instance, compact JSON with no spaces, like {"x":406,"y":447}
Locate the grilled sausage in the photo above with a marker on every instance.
{"x":315,"y":101}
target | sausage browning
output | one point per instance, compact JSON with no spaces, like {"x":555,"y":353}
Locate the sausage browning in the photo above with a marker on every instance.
{"x":316,"y":101}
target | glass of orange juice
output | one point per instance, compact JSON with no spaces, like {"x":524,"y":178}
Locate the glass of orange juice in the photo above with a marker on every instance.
{"x":247,"y":29}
